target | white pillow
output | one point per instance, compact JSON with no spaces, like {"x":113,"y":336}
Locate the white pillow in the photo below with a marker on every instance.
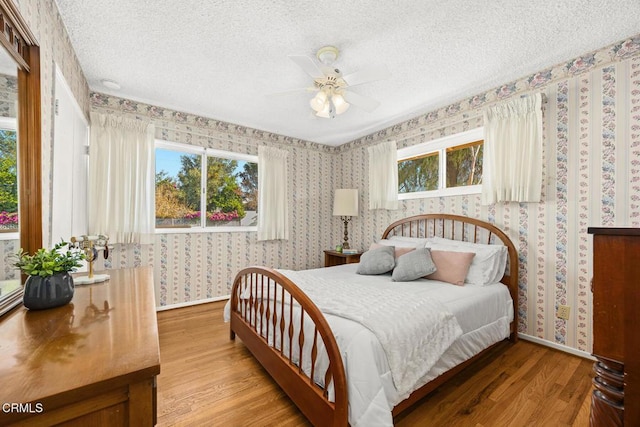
{"x":488,"y":265}
{"x":419,"y":241}
{"x":401,"y":243}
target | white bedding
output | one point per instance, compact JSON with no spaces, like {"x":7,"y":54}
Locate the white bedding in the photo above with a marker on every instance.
{"x":483,"y":313}
{"x":413,"y":328}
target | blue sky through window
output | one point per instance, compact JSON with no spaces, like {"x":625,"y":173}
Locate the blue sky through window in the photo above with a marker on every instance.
{"x":169,"y":161}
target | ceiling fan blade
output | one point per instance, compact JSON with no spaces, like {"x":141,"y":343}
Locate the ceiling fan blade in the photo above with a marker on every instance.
{"x":367,"y":75}
{"x":292,"y":91}
{"x":308,"y":65}
{"x":361,"y":101}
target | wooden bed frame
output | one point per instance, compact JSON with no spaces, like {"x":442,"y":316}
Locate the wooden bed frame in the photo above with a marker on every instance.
{"x":256,"y":321}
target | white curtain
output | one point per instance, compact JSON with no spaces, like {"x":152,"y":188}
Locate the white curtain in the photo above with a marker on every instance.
{"x":121,"y":179}
{"x":383,"y":176}
{"x":273,"y":215}
{"x":512,"y":169}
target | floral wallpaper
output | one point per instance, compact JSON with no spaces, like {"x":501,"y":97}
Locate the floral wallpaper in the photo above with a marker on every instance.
{"x":55,"y":49}
{"x":46,"y":23}
{"x":591,"y":177}
{"x":195,"y":266}
{"x":8,"y":95}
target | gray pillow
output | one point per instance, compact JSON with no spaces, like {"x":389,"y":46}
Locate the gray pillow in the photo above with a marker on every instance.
{"x":377,"y":261}
{"x":413,"y":265}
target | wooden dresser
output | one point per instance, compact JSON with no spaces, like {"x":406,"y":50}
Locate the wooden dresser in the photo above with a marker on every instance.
{"x":616,"y":315}
{"x":92,"y":362}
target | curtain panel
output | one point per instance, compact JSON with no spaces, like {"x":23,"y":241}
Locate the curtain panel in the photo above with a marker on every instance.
{"x":273,"y":215}
{"x":122,"y":179}
{"x":512,"y":169}
{"x":383,"y":176}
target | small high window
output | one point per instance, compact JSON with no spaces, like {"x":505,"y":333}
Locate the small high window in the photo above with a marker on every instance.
{"x":446,"y":166}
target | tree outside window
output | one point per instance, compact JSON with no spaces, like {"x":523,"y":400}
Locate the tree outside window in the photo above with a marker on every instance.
{"x":442,"y":167}
{"x":464,"y":164}
{"x":229,"y":196}
{"x":418,"y":173}
{"x":8,"y":181}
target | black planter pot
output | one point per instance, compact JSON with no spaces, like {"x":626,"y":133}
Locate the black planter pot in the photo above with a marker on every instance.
{"x":48,"y":292}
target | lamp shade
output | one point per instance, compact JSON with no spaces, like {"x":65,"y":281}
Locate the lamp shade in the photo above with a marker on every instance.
{"x":325,"y":111}
{"x":339,"y":103}
{"x":318,"y":102}
{"x":345,"y":202}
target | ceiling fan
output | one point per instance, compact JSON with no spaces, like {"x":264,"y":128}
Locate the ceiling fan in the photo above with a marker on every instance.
{"x":333,"y":95}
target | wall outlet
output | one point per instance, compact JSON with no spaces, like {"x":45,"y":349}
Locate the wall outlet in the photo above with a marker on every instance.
{"x":563,"y":312}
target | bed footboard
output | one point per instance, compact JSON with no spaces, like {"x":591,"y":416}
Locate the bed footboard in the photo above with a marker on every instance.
{"x":272,"y":316}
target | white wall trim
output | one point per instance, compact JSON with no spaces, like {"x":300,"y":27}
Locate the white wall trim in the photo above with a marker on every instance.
{"x":557,"y":346}
{"x":74,"y":101}
{"x":190,"y":303}
{"x":525,"y":337}
{"x":8,"y":123}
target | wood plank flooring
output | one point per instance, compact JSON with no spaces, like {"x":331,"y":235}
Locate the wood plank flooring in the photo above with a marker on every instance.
{"x":208,"y":380}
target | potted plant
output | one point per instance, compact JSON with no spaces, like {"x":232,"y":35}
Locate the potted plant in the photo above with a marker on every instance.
{"x":49,"y":283}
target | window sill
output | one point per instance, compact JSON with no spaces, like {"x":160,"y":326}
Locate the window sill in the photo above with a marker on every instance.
{"x":446,"y":192}
{"x":191,"y":230}
{"x":9,"y":235}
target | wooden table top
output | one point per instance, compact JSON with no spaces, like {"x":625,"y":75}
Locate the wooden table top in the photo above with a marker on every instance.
{"x":107,"y":333}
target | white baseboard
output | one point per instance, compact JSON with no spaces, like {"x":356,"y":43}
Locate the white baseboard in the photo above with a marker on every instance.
{"x":190,"y":303}
{"x":556,"y":346}
{"x":525,"y":337}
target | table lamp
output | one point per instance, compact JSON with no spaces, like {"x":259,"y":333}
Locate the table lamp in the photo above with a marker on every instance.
{"x":345,"y":205}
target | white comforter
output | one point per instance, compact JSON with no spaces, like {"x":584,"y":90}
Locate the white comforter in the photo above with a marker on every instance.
{"x":483,"y":315}
{"x":413,"y":328}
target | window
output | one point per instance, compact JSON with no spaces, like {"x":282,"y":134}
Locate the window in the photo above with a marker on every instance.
{"x":8,"y":179}
{"x":443,"y":167}
{"x":205,"y":189}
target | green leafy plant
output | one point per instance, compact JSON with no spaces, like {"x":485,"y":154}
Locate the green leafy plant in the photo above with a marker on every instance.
{"x":47,"y":262}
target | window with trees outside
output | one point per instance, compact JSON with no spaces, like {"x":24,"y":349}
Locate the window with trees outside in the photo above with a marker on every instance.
{"x":8,"y":179}
{"x":447,"y":166}
{"x":205,"y":189}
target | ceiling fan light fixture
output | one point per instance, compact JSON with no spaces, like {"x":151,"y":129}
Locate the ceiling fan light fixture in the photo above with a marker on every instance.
{"x":319,"y":101}
{"x":327,"y":54}
{"x":339,"y":103}
{"x":334,"y":96}
{"x":326,"y":112}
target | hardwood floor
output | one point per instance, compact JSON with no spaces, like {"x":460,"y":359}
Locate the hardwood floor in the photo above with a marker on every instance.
{"x":206,"y":379}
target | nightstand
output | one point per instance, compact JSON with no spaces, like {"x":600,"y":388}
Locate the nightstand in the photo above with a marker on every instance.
{"x":332,"y":258}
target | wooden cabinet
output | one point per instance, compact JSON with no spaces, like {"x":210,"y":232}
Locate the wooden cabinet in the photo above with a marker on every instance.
{"x":91,"y":362}
{"x":332,"y":258}
{"x":616,"y":313}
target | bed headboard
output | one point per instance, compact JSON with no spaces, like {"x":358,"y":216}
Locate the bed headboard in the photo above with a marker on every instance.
{"x":463,"y":228}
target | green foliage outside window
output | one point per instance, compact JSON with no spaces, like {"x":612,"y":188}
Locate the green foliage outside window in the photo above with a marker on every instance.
{"x":464,"y":165}
{"x":231,"y":191}
{"x":418,"y":174}
{"x":249,"y":184}
{"x":421,"y":173}
{"x":8,"y":180}
{"x":223,"y":191}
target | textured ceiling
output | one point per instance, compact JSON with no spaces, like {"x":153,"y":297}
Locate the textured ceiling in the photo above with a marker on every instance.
{"x":220,"y":59}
